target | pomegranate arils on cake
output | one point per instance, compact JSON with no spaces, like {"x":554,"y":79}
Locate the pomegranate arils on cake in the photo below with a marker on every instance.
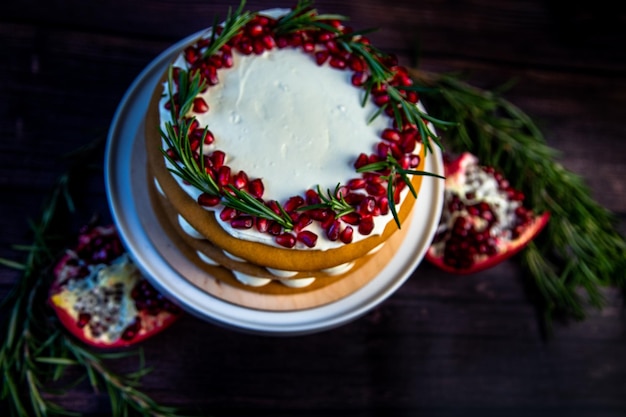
{"x":286,"y":239}
{"x":483,"y":220}
{"x":308,"y":238}
{"x":366,"y":195}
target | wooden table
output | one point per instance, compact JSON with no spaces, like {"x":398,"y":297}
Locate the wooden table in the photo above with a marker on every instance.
{"x":441,"y":345}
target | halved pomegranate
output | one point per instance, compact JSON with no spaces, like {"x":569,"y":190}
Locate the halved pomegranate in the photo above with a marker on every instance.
{"x":484,"y":220}
{"x":99,"y":295}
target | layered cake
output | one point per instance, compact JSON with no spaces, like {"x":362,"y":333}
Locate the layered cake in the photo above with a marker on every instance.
{"x":285,"y":149}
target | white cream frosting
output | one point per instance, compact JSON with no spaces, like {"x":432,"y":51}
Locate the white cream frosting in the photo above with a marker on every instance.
{"x":188,"y":228}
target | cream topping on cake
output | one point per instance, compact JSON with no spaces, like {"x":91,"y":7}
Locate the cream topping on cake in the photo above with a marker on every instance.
{"x":290,"y":122}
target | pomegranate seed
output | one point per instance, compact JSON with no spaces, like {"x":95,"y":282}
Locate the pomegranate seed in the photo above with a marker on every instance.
{"x":228,"y":213}
{"x":227,"y":60}
{"x":295,"y":40}
{"x":217,"y":158}
{"x":256,"y":188}
{"x":258,"y":47}
{"x":412,"y":97}
{"x":223,"y":175}
{"x":367,"y":206}
{"x":408,"y":142}
{"x":356,"y":63}
{"x":361,"y":161}
{"x":268,"y":42}
{"x":191,"y":54}
{"x":244,"y":46}
{"x":346,"y":234}
{"x":366,"y":225}
{"x":170,"y":153}
{"x":319,"y":214}
{"x":286,"y":239}
{"x":308,"y":47}
{"x":324,"y":36}
{"x":375,"y":189}
{"x":242,"y":222}
{"x":208,"y":138}
{"x":328,"y":221}
{"x":301,"y":222}
{"x":379,"y":88}
{"x":208,"y":200}
{"x":333,"y":230}
{"x":312,"y":197}
{"x":199,"y":105}
{"x":337,"y":62}
{"x":282,"y":42}
{"x":210,"y":74}
{"x":354,"y":199}
{"x":194,"y":144}
{"x":308,"y":238}
{"x":275,"y":229}
{"x":391,"y":135}
{"x":356,"y":183}
{"x":383,"y":206}
{"x":273,"y":205}
{"x":255,"y":30}
{"x":240,"y":180}
{"x":215,"y":61}
{"x":131,"y":331}
{"x":83,"y":319}
{"x":351,"y":218}
{"x":262,"y":224}
{"x":358,"y":79}
{"x":332,"y":47}
{"x":293,"y":203}
{"x":381,"y":99}
{"x":383,"y":149}
{"x":321,"y":57}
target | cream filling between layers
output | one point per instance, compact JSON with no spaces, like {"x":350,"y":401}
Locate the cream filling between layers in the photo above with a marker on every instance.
{"x":260,"y":281}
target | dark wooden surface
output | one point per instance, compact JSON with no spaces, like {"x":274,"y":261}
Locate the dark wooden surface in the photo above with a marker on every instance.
{"x":441,"y":345}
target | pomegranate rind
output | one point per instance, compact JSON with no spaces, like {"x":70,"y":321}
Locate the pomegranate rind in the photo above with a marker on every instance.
{"x":73,"y":265}
{"x":455,"y":171}
{"x":152,"y":325}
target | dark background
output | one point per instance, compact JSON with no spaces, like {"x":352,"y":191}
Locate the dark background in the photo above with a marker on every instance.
{"x":442,"y":345}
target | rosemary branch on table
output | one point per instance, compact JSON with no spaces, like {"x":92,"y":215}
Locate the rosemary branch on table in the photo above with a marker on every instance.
{"x":36,"y":353}
{"x":581,"y":250}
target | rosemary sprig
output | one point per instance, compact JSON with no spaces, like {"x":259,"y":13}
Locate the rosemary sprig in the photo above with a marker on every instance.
{"x":233,"y":24}
{"x":580,"y":248}
{"x":332,"y":200}
{"x":305,"y":17}
{"x":187,"y":164}
{"x":394,"y":171}
{"x":35,"y":353}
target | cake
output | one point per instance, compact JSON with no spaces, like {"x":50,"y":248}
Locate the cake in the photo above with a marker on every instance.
{"x":285,"y":149}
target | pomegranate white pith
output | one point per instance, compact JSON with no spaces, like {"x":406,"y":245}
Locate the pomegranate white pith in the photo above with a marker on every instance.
{"x":483,"y":221}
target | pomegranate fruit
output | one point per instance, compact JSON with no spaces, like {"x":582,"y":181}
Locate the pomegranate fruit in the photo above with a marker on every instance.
{"x":484,"y":220}
{"x":99,"y":295}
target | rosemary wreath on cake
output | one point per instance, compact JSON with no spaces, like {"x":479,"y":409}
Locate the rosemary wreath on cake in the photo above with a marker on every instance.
{"x":328,"y":40}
